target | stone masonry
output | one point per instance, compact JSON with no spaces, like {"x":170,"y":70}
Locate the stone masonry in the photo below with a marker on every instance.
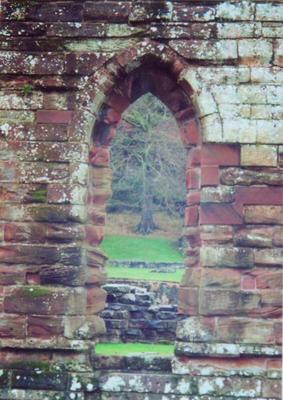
{"x":68,"y":69}
{"x":140,"y":311}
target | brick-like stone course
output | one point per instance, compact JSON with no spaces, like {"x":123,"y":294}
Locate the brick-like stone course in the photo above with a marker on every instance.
{"x":67,"y":72}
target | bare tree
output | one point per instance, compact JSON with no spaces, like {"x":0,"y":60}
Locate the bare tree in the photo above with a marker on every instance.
{"x":148,"y":162}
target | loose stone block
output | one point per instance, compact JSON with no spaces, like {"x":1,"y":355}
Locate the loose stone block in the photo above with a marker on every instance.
{"x":260,"y":155}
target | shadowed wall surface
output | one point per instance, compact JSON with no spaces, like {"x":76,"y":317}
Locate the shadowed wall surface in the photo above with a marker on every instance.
{"x":67,"y":72}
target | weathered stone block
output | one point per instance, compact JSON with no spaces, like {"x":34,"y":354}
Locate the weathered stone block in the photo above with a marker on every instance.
{"x":84,"y":327}
{"x":44,"y":300}
{"x":188,"y":301}
{"x":269,"y":257}
{"x":228,"y":30}
{"x":263,"y":214}
{"x":254,"y":237}
{"x":206,"y":50}
{"x":269,"y":280}
{"x":235,"y":12}
{"x":279,"y":53}
{"x":12,"y":275}
{"x":221,"y":194}
{"x":12,"y":327}
{"x":219,"y":366}
{"x":230,"y":386}
{"x":43,"y":380}
{"x":44,"y":327}
{"x":255,"y":52}
{"x":240,"y":176}
{"x":244,"y":330}
{"x":272,"y":388}
{"x":226,"y":257}
{"x":196,"y":329}
{"x":269,"y":12}
{"x":144,"y":383}
{"x":220,"y":154}
{"x":236,"y":129}
{"x":220,"y":278}
{"x":225,"y":302}
{"x":259,"y":155}
{"x":216,"y":233}
{"x":211,"y":127}
{"x":61,"y":274}
{"x":96,"y":299}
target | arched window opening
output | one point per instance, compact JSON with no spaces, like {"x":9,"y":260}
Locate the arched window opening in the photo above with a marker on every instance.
{"x":144,"y":225}
{"x":150,"y":82}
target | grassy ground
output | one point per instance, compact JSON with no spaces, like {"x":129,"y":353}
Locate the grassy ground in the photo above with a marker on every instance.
{"x":124,"y":349}
{"x":143,"y":274}
{"x":141,"y":248}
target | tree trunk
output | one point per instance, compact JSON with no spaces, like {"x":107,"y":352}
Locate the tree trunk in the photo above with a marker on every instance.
{"x":146,"y":224}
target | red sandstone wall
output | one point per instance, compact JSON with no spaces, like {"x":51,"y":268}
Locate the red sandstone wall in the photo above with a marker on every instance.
{"x":59,"y":63}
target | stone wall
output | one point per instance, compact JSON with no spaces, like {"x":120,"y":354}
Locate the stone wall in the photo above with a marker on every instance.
{"x":67,"y":71}
{"x":140,"y":311}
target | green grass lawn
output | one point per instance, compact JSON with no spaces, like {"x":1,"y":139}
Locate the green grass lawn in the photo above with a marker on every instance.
{"x":140,"y":248}
{"x":124,"y":349}
{"x":143,"y":274}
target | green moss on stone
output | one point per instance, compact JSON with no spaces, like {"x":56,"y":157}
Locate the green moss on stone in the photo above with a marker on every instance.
{"x":32,"y":365}
{"x":39,"y":195}
{"x":36,"y":291}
